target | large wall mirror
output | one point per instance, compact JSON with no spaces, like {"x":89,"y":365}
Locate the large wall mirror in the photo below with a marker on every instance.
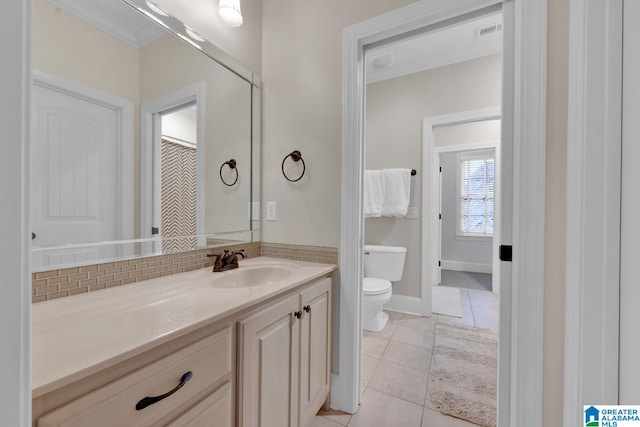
{"x":142,"y":140}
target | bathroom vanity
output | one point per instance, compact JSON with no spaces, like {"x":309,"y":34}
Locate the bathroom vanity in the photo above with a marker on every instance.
{"x":246,"y":347}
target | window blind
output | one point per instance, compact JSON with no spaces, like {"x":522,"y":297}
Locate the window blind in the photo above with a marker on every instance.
{"x":476,"y":194}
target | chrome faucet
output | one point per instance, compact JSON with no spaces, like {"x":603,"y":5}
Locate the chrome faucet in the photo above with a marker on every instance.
{"x":226,"y":261}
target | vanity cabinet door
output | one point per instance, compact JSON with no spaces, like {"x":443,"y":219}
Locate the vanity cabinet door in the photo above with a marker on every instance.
{"x":315,"y":350}
{"x":268,"y":377}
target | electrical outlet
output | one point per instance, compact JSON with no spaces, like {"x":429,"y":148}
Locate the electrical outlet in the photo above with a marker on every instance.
{"x":412,"y":212}
{"x":271,"y":211}
{"x":255,"y":211}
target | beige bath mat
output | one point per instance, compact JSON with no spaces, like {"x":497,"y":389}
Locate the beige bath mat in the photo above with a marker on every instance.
{"x":463,"y":375}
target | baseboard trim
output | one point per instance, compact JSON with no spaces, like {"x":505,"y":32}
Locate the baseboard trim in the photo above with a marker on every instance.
{"x":473,"y":267}
{"x":404,"y":304}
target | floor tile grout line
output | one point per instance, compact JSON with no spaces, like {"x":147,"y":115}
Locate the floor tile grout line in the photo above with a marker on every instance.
{"x":426,"y":392}
{"x":473,"y":316}
{"x":397,"y":397}
{"x":402,"y":366}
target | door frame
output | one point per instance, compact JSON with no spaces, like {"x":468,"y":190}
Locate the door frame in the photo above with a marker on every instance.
{"x":431,"y":191}
{"x":520,"y":380}
{"x":629,"y":352}
{"x":150,"y":133}
{"x":15,"y":240}
{"x":124,"y":109}
{"x":594,"y":149}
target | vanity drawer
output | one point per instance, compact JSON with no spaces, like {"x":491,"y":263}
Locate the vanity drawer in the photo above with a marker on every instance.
{"x":209,"y":360}
{"x":215,"y":409}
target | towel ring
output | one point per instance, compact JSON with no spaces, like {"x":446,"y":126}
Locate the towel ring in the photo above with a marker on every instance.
{"x":232,"y":165}
{"x":295,"y":156}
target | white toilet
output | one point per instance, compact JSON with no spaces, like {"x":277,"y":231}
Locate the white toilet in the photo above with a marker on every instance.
{"x":382,"y":265}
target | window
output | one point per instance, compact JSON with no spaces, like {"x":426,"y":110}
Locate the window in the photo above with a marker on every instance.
{"x":476,"y":173}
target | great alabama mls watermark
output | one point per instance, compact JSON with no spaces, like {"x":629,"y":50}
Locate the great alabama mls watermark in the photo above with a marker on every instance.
{"x":611,"y":416}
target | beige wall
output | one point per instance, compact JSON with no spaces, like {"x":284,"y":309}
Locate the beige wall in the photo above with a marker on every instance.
{"x":394,"y":112}
{"x":243,"y":43}
{"x":60,"y":40}
{"x":168,"y":65}
{"x":302,"y":98}
{"x":466,"y":133}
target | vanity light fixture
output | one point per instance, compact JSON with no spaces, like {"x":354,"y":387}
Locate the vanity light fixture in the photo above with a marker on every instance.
{"x":229,"y":12}
{"x":154,"y":7}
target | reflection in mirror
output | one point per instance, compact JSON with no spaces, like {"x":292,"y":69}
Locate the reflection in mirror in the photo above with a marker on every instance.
{"x":129,"y":127}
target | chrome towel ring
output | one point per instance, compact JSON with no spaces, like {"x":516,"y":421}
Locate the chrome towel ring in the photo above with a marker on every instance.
{"x":232,"y":165}
{"x":295,"y":156}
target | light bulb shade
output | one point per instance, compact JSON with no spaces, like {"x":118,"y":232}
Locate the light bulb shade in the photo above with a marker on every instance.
{"x":229,"y":12}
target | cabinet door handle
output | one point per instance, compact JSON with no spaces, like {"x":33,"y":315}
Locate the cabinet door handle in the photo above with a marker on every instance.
{"x":148,"y":401}
{"x":298,"y":314}
{"x":307,"y":308}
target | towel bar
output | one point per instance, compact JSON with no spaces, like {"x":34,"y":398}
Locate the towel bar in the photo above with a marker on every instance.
{"x":296,"y":156}
{"x":233,"y":166}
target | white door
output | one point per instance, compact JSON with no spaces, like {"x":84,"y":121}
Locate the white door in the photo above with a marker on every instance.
{"x":629,"y":392}
{"x":73,"y":175}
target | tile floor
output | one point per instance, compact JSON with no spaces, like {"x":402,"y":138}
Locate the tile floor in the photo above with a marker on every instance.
{"x":395,"y":369}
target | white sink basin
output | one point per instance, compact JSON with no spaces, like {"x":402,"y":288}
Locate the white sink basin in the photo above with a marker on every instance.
{"x":258,"y":275}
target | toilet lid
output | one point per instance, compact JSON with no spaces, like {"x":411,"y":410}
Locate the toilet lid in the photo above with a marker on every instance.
{"x":375,"y":286}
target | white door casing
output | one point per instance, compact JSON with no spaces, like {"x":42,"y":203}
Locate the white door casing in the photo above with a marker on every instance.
{"x":15,"y":304}
{"x":82,"y":157}
{"x":629,"y":369}
{"x":593,"y":207}
{"x":524,"y":80}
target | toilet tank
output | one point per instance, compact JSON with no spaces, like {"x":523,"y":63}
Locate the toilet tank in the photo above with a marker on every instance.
{"x":384,"y":262}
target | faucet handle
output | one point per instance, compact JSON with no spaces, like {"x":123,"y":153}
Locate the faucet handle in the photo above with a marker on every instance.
{"x":217,"y":263}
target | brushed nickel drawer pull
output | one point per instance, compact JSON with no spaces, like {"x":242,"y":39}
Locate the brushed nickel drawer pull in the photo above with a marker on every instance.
{"x":150,"y":400}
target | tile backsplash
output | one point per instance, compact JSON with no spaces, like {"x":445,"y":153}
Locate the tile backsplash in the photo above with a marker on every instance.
{"x":48,"y":285}
{"x":322,"y":254}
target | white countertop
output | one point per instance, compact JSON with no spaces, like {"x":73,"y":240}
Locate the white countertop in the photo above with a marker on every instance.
{"x":77,"y":336}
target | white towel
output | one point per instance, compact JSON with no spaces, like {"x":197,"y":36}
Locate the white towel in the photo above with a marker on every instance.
{"x":372,"y":197}
{"x":396,"y":187}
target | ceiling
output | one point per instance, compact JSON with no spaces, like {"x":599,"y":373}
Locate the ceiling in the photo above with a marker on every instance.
{"x":449,"y":45}
{"x":455,"y":43}
{"x":115,"y":18}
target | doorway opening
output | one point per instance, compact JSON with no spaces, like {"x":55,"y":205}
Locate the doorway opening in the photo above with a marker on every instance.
{"x":445,"y":72}
{"x":178,"y":179}
{"x":523,"y":137}
{"x":172,"y":171}
{"x":466,"y":194}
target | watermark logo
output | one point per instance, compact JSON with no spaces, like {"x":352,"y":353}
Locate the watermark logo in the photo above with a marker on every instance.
{"x":592,"y":417}
{"x":611,"y":416}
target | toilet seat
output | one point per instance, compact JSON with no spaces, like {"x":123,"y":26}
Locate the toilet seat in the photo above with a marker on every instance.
{"x":375,"y":286}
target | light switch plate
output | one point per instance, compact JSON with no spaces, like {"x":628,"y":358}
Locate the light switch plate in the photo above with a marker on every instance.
{"x":271,"y":211}
{"x":412,"y":212}
{"x":255,"y":211}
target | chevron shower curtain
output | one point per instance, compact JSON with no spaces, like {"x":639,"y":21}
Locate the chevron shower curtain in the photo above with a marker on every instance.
{"x":178,"y":197}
